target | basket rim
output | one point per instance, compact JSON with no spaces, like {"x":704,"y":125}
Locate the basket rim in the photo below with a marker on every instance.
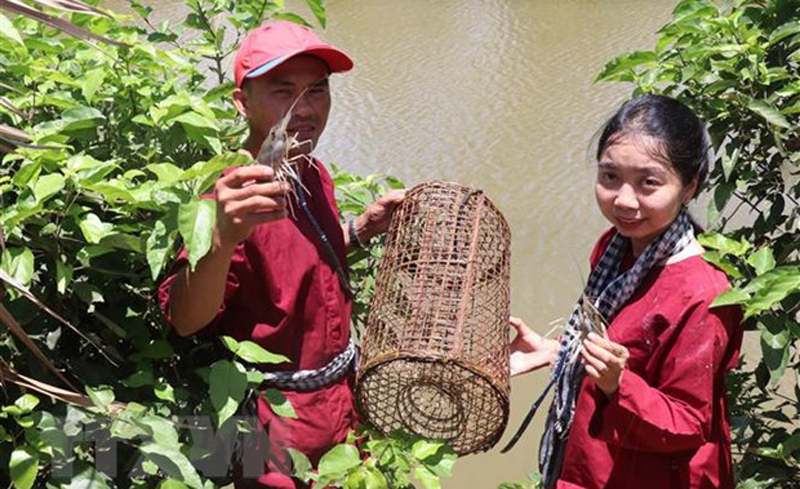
{"x":420,"y":187}
{"x":385,"y":359}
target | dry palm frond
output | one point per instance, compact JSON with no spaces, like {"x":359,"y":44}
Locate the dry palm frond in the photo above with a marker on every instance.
{"x":12,"y":324}
{"x":29,"y":295}
{"x":11,"y":107}
{"x":13,"y":137}
{"x":65,"y":26}
{"x":9,"y":87}
{"x":8,"y":374}
{"x":8,"y":132}
{"x":69,"y":5}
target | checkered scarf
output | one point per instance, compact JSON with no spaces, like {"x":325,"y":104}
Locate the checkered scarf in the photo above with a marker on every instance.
{"x":610,"y":291}
{"x":310,"y":380}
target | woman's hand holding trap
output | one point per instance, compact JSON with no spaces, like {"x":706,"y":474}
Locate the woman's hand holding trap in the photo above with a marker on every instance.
{"x":529,"y":350}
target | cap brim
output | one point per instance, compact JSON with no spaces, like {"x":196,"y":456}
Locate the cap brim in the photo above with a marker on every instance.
{"x":336,"y":60}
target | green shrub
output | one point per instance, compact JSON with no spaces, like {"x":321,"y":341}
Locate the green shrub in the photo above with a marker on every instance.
{"x":126,"y":127}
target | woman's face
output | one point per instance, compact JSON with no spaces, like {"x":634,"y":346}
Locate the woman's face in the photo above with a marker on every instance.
{"x":640,"y":195}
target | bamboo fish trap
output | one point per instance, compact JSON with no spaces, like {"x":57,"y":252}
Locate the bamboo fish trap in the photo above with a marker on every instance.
{"x":435,"y":351}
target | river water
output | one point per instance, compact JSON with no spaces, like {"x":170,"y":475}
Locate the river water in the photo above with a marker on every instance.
{"x":496,"y":94}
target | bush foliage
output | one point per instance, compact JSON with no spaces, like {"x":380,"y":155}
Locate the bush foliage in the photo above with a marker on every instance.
{"x":108,"y":136}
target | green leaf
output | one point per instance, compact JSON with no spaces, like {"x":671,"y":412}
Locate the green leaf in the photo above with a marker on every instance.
{"x":729,"y":162}
{"x":23,"y":466}
{"x":158,"y":247}
{"x":428,"y":479}
{"x":171,"y":484}
{"x":291,"y":18}
{"x":442,"y":465}
{"x":774,"y":332}
{"x":784,"y":31}
{"x":166,"y":172}
{"x":718,"y":260}
{"x":47,"y":186}
{"x":762,"y":260}
{"x":716,"y":205}
{"x":691,"y":9}
{"x":318,"y":9}
{"x":173,"y":462}
{"x":79,"y":118}
{"x":279,"y":404}
{"x":164,"y":391}
{"x":63,"y":276}
{"x":92,"y":80}
{"x":27,"y":172}
{"x":18,"y":262}
{"x":8,"y":30}
{"x":27,"y":403}
{"x":139,"y":378}
{"x":769,"y":113}
{"x":423,"y":449}
{"x":729,"y":297}
{"x":774,"y":291}
{"x":253,"y":353}
{"x":94,"y":229}
{"x":164,"y":432}
{"x":776,"y":353}
{"x":338,"y":460}
{"x":230,"y":343}
{"x":195,"y":120}
{"x":215,"y":165}
{"x":374,"y":479}
{"x":724,"y":244}
{"x":158,"y":350}
{"x":88,"y":478}
{"x":618,"y":68}
{"x":196,"y":220}
{"x":301,"y":465}
{"x":227,"y":383}
{"x":101,"y":396}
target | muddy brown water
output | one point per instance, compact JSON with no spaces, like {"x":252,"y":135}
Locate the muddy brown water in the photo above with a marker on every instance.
{"x":496,"y":94}
{"x":499,"y":95}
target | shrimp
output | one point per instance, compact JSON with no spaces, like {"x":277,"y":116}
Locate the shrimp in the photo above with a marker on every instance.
{"x":274,"y":151}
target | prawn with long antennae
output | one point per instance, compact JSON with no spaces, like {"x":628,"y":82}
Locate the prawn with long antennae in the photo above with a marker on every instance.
{"x":279,"y":144}
{"x":275,"y":152}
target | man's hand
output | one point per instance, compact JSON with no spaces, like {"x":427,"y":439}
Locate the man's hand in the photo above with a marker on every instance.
{"x":376,"y":218}
{"x":605,"y":362}
{"x":529,"y":351}
{"x":247,"y":197}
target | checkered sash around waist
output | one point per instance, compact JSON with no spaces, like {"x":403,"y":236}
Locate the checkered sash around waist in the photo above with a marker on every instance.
{"x":610,"y":290}
{"x":310,"y":380}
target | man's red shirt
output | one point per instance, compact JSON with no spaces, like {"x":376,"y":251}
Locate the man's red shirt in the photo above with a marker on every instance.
{"x":282,"y":293}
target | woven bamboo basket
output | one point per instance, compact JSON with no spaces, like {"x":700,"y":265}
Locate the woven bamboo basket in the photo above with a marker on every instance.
{"x":435,"y":352}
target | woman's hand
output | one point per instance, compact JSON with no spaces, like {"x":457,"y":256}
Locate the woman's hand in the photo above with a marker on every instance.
{"x":529,"y":351}
{"x":605,"y":362}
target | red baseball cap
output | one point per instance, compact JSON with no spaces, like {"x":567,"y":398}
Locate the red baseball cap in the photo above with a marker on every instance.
{"x":275,"y":42}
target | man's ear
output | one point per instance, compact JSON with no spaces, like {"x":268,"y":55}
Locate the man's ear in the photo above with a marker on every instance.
{"x":240,"y":101}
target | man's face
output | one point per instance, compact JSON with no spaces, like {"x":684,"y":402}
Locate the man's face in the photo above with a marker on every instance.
{"x":264,"y":100}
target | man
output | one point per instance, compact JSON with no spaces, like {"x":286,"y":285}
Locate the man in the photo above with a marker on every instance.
{"x":270,"y":276}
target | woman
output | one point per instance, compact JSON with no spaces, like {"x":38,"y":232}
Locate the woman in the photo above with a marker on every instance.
{"x":643,"y":404}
